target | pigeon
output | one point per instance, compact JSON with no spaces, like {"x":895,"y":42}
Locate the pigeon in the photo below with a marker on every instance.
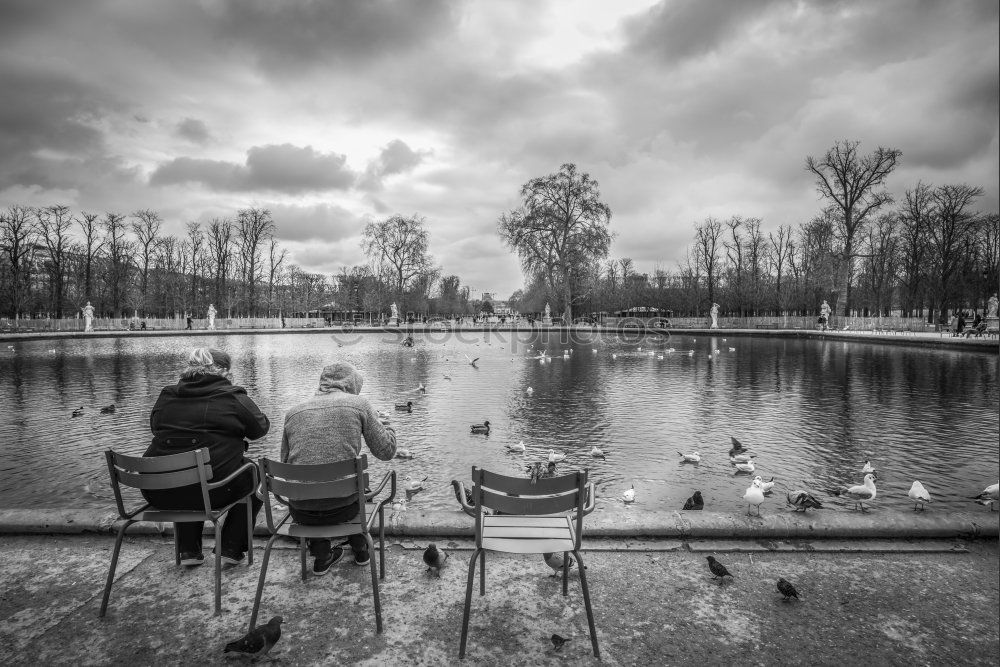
{"x":787,"y":590}
{"x":695,"y":502}
{"x":108,"y":409}
{"x":719,"y":570}
{"x":78,"y":411}
{"x":481,"y":428}
{"x":767,"y":486}
{"x":557,"y":641}
{"x":802,"y":500}
{"x":861,"y":492}
{"x":753,"y":496}
{"x":693,"y":457}
{"x":555,"y":561}
{"x":435,"y":558}
{"x":405,"y":407}
{"x":919,"y":495}
{"x":629,"y":495}
{"x":258,"y":641}
{"x":989,"y":496}
{"x":598,"y":453}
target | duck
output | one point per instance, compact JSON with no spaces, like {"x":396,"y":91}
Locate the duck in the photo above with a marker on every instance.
{"x":747,"y":467}
{"x":767,"y":486}
{"x":519,"y":447}
{"x":754,"y":496}
{"x":802,"y":500}
{"x":989,"y":496}
{"x":693,"y":457}
{"x":481,"y":428}
{"x":78,"y":411}
{"x":628,"y":496}
{"x":108,"y":409}
{"x":867,"y":467}
{"x":556,"y":457}
{"x":404,"y":407}
{"x":919,"y":495}
{"x":597,"y":453}
{"x":860,"y":493}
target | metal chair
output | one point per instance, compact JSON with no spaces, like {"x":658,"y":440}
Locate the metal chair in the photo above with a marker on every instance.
{"x":290,"y":482}
{"x":168,"y":472}
{"x":528,"y":521}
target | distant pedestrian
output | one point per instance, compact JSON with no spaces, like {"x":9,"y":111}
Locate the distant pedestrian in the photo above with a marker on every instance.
{"x":189,"y":322}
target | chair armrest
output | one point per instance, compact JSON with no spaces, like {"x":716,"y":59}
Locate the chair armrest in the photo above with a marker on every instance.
{"x":239,"y":471}
{"x":460,"y":496}
{"x":370,"y":496}
{"x":591,"y":499}
{"x":127,"y":516}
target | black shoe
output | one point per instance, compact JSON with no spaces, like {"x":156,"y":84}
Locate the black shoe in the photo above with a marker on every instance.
{"x":322,"y":565}
{"x":362,"y":558}
{"x":232,"y":557}
{"x":192,"y":558}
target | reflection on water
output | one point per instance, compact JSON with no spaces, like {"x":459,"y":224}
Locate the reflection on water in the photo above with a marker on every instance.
{"x":811,"y":411}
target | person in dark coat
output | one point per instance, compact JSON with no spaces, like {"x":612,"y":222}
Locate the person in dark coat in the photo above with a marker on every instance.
{"x":206,"y":410}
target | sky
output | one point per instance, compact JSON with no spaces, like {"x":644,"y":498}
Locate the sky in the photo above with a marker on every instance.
{"x":334,"y":114}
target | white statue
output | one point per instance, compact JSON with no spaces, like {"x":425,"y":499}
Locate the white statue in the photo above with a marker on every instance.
{"x":211,"y":316}
{"x":824,"y":311}
{"x":394,"y":314}
{"x":548,"y":312}
{"x":715,"y":315}
{"x":88,"y":317}
{"x":991,"y":308}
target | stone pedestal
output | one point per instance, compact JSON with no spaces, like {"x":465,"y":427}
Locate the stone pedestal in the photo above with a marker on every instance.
{"x":393,"y":322}
{"x":546,"y":321}
{"x":992,"y":323}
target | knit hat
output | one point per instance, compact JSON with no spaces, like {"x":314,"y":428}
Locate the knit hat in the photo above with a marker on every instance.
{"x":220,"y":359}
{"x":340,"y":376}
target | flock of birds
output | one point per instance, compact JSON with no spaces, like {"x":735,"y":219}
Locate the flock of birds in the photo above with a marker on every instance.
{"x":104,"y":410}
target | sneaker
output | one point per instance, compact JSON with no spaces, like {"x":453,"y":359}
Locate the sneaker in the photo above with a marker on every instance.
{"x":232,"y":557}
{"x":362,"y":558}
{"x":322,"y":565}
{"x":192,"y":558}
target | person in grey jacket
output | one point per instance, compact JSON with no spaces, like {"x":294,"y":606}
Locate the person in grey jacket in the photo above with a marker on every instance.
{"x":334,"y":425}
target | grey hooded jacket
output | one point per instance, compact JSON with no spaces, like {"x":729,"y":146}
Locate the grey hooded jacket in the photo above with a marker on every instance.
{"x":334,"y":425}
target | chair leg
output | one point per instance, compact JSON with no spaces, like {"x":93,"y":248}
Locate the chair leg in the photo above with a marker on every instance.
{"x":177,"y":547}
{"x":114,"y":565}
{"x":218,"y":567}
{"x":565,"y":576}
{"x":586,"y":603}
{"x":260,"y":580}
{"x":250,"y":523}
{"x":482,"y":572}
{"x":468,"y":601}
{"x":378,"y":602}
{"x":302,"y":556}
{"x":381,"y":541}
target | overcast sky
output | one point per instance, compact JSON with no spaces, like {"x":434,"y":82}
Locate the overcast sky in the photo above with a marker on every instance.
{"x":334,"y":113}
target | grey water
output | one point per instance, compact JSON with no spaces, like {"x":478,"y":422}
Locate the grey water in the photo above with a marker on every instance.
{"x":811,"y":411}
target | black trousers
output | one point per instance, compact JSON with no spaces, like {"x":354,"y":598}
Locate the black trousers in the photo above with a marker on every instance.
{"x":234,"y":526}
{"x":321,"y":547}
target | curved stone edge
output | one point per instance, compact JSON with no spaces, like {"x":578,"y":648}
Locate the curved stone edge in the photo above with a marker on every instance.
{"x":814,"y":525}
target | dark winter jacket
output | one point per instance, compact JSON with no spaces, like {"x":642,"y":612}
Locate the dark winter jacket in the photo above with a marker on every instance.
{"x":206,"y":411}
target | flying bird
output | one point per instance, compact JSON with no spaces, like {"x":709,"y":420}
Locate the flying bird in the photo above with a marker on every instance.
{"x":693,"y":457}
{"x":718,"y":570}
{"x":919,"y":495}
{"x":695,"y":502}
{"x":629,"y":495}
{"x":803,"y":500}
{"x":861,"y":492}
{"x":989,"y":496}
{"x":557,"y":641}
{"x":435,"y":558}
{"x":787,"y":590}
{"x":754,"y":496}
{"x":258,"y":641}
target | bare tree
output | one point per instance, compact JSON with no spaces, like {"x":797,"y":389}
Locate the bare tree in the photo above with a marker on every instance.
{"x":220,"y":233}
{"x":915,"y":217}
{"x":276,"y":260}
{"x":18,"y":238}
{"x":950,"y":235}
{"x":54,"y":223}
{"x":881,"y":262}
{"x":195,"y":243}
{"x":398,"y":246}
{"x":853,"y":183}
{"x":146,"y":228}
{"x":92,"y":244}
{"x":253,"y":226}
{"x":707,"y":239}
{"x":120,"y":252}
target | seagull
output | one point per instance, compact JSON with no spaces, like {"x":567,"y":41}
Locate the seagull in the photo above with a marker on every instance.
{"x":732,"y":349}
{"x":404,"y":454}
{"x":629,"y":495}
{"x":718,"y":570}
{"x":258,"y":641}
{"x":557,"y":641}
{"x":481,"y":428}
{"x":413,"y":485}
{"x":740,"y":458}
{"x":597,"y":453}
{"x":867,"y":467}
{"x":767,"y":486}
{"x":555,"y":457}
{"x":421,"y":387}
{"x":693,"y":457}
{"x":753,"y":496}
{"x":747,"y":467}
{"x":787,"y":590}
{"x":919,"y":495}
{"x":435,"y":558}
{"x":670,"y":349}
{"x":861,"y":492}
{"x":989,"y":496}
{"x":614,"y":356}
{"x":695,"y":502}
{"x":519,"y":447}
{"x":404,"y":407}
{"x":529,"y":391}
{"x":802,"y":500}
{"x":555,"y":561}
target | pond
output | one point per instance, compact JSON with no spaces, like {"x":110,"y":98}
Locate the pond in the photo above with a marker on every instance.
{"x":810,"y":410}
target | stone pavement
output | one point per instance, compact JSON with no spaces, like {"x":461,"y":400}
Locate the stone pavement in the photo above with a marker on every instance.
{"x":872,"y":601}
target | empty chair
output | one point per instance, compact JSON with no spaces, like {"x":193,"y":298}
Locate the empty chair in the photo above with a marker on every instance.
{"x":533,"y":516}
{"x":169,"y":472}
{"x":286,"y":481}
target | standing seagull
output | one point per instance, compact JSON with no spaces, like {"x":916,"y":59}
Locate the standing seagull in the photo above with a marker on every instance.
{"x":919,"y":495}
{"x":787,"y":590}
{"x":989,"y":496}
{"x":629,"y":495}
{"x":435,"y":558}
{"x":753,"y":496}
{"x":719,"y":570}
{"x":258,"y":641}
{"x":861,"y":492}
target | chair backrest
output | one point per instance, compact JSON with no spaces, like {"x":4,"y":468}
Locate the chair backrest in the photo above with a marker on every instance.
{"x":158,"y":472}
{"x":289,"y":482}
{"x":520,"y":496}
